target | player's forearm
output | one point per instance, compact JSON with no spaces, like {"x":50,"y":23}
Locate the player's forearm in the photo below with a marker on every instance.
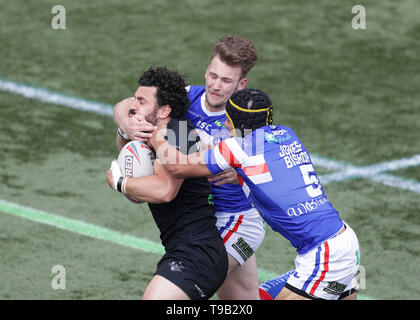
{"x":120,"y":115}
{"x":150,"y":189}
{"x":178,"y":164}
{"x":159,"y":187}
{"x":120,"y":141}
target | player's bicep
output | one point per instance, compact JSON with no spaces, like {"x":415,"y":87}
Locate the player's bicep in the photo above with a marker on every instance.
{"x":171,"y":183}
{"x":159,"y":187}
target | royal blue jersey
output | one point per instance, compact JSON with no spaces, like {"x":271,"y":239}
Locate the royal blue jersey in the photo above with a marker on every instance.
{"x":279,"y":179}
{"x":228,"y":197}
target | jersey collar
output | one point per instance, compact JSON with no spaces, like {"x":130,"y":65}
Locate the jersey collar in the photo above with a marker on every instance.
{"x":207,"y":112}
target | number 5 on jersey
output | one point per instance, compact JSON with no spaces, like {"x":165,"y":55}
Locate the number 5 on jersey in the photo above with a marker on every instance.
{"x":313,"y":186}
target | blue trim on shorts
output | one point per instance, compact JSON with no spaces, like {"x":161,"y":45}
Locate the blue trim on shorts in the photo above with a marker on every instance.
{"x":222,"y":229}
{"x":314,"y":273}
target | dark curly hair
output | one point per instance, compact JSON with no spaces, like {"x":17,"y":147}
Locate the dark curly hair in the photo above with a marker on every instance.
{"x":170,"y":89}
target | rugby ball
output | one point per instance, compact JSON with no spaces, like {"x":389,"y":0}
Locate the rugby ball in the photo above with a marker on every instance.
{"x":136,"y":160}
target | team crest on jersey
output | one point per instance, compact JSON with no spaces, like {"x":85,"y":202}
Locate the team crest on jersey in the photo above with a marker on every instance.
{"x":176,"y":266}
{"x":272,"y":138}
{"x":220,"y":124}
{"x":269,"y":137}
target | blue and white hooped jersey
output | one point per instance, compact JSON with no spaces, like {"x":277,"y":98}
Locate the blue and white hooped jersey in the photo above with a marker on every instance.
{"x":279,"y":179}
{"x":229,"y":197}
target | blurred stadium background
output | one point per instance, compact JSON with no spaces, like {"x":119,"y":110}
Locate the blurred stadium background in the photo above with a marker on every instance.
{"x":351,"y":95}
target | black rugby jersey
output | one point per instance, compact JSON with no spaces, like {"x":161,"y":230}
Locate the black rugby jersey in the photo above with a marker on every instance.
{"x":191,"y":214}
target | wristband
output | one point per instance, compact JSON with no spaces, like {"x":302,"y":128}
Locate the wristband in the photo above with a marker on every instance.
{"x":123,"y":184}
{"x":122,"y":134}
{"x":120,"y":180}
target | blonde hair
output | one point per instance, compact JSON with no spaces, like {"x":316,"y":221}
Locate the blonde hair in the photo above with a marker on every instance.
{"x":236,"y":51}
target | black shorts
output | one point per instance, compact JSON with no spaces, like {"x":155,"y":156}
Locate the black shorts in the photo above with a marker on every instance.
{"x":197,"y":267}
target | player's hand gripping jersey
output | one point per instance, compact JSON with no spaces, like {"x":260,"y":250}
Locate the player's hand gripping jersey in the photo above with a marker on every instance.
{"x":228,"y":197}
{"x":279,"y":179}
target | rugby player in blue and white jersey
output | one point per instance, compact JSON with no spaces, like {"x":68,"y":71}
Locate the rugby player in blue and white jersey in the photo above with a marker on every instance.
{"x":239,"y":223}
{"x":277,"y":175}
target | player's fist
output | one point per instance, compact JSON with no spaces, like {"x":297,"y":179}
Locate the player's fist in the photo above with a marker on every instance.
{"x":114,"y":176}
{"x":224,"y":177}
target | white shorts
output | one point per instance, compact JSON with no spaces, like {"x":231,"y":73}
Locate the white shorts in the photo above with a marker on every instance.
{"x":328,"y":270}
{"x":242,"y":232}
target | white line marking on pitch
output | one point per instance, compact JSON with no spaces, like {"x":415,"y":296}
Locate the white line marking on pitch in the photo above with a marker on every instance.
{"x":373,"y":172}
{"x":55,"y":97}
{"x":346,"y":171}
{"x":97,"y":232}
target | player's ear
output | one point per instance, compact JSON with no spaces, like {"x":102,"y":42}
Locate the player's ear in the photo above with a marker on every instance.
{"x":242,"y":83}
{"x":165,"y":111}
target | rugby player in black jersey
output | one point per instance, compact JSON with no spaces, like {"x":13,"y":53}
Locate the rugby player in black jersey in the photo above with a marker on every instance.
{"x":195,"y":263}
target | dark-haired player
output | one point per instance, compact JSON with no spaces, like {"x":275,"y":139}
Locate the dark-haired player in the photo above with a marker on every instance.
{"x":240,"y":225}
{"x":277,"y":175}
{"x":195,"y":262}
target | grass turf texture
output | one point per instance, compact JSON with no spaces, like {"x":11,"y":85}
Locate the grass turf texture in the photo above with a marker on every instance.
{"x":350,"y":95}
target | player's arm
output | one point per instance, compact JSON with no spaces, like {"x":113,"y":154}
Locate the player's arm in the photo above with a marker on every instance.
{"x":159,"y":187}
{"x":131,"y":125}
{"x":228,"y":176}
{"x":187,"y":166}
{"x":120,"y":139}
{"x":178,"y":164}
{"x":121,"y":111}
